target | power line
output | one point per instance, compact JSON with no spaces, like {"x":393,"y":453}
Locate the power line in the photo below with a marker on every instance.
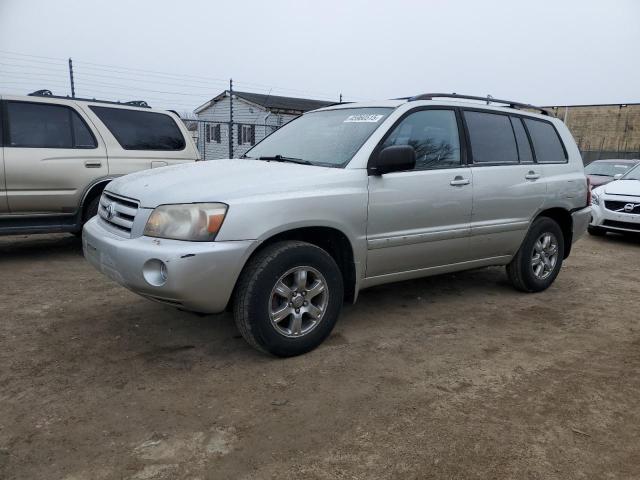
{"x":138,"y":72}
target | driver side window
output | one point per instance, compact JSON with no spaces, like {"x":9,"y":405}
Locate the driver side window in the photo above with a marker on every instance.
{"x":434,"y":136}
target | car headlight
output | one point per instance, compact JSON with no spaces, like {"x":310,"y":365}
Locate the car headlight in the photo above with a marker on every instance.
{"x":196,"y":222}
{"x":595,"y":199}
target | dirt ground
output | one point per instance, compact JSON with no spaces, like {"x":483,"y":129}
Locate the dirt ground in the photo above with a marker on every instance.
{"x":457,"y":376}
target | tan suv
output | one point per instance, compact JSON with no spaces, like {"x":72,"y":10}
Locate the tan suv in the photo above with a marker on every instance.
{"x":57,"y":154}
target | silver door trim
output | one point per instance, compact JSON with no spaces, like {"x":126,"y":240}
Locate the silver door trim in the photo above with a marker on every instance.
{"x":425,"y":236}
{"x":499,"y":227}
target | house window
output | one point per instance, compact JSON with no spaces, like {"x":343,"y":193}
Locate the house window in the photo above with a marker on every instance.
{"x":208,"y":133}
{"x":246,"y":134}
{"x":213,"y":133}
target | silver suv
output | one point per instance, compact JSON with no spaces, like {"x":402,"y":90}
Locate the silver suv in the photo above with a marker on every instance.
{"x":345,"y":198}
{"x":57,"y":154}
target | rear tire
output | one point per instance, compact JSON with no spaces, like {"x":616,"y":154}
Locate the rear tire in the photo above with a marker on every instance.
{"x":91,"y":210}
{"x":596,"y":231}
{"x":538,"y":262}
{"x":281,"y":310}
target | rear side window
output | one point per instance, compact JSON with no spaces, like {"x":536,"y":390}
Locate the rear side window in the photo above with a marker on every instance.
{"x":546,"y":142}
{"x":42,"y":125}
{"x":137,"y":130}
{"x":524,"y":147}
{"x":491,"y":138}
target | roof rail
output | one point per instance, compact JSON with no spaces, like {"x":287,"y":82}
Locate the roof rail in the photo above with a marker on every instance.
{"x":41,"y":93}
{"x":48,"y":94}
{"x":489,"y":99}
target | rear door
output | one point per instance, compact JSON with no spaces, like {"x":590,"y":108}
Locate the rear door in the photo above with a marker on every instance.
{"x":139,"y":139}
{"x":509,"y":188}
{"x":51,"y":156}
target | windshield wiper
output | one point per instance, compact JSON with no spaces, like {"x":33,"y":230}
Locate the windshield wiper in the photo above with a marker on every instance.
{"x":280,"y":158}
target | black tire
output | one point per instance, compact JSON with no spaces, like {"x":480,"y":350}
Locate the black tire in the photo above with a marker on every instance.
{"x":520,"y":270}
{"x":596,"y":231}
{"x":91,"y":210}
{"x":253,"y":298}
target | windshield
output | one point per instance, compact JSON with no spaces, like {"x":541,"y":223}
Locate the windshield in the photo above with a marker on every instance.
{"x":633,"y":174}
{"x":326,"y":138}
{"x":607,"y":169}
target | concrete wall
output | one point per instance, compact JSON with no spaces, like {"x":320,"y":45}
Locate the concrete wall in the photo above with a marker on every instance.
{"x":607,"y":131}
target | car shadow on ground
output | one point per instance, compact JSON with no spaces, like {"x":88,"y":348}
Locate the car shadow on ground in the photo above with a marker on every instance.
{"x":33,"y":247}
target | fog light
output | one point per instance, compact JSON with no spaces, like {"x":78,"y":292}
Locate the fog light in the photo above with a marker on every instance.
{"x":155,"y":272}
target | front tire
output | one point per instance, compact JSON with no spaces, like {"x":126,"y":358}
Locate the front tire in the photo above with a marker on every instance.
{"x":288,"y":298}
{"x":537,"y":264}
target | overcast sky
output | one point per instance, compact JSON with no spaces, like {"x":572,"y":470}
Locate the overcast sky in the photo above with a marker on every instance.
{"x":180,"y":54}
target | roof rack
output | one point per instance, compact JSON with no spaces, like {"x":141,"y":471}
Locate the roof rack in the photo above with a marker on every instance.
{"x":489,"y":99}
{"x":47,"y":93}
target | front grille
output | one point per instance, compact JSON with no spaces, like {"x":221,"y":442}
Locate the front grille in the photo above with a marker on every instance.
{"x":118,"y":212}
{"x":617,"y":206}
{"x":625,"y":225}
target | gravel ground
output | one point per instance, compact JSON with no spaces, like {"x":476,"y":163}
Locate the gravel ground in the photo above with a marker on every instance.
{"x":457,"y":376}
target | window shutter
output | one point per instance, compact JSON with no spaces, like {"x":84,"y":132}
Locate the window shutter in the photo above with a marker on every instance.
{"x":217,"y":134}
{"x":208,"y":133}
{"x":239,"y":134}
{"x":253,"y":134}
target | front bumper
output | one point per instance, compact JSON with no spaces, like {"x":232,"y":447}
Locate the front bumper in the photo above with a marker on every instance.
{"x":580,"y":222}
{"x":200,"y":276}
{"x":602,"y":217}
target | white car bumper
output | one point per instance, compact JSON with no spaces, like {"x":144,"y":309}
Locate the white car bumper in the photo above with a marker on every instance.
{"x":611,"y":214}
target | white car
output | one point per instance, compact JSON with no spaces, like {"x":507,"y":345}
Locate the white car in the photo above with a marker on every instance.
{"x":616,"y":205}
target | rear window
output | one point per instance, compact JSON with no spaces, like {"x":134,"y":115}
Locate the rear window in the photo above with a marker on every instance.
{"x":42,"y":125}
{"x":491,"y":138}
{"x":137,"y":130}
{"x":546,"y":142}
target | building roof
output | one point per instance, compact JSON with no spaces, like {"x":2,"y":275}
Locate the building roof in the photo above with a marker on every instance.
{"x":272,"y":102}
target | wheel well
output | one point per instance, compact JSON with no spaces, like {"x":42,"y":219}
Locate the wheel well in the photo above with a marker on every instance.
{"x":94,"y":191}
{"x":563,"y":218}
{"x":331,"y":240}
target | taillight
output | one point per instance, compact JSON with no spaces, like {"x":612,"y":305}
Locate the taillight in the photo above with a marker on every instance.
{"x":588,"y":192}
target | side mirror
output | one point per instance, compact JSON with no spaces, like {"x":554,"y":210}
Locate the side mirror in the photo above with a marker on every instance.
{"x":393,"y":159}
{"x":617,"y":176}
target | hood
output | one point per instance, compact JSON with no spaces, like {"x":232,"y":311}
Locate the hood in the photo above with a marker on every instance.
{"x":597,"y":180}
{"x":623,"y":187}
{"x":223,"y":181}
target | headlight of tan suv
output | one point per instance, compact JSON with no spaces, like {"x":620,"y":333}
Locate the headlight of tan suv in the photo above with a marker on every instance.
{"x":196,"y":222}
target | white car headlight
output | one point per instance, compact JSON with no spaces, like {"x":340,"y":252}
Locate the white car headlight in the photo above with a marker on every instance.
{"x":595,"y":199}
{"x":196,"y":222}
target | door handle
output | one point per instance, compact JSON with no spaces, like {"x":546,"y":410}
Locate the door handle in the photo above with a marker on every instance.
{"x":532,"y":175}
{"x":458,"y":181}
{"x":90,"y":164}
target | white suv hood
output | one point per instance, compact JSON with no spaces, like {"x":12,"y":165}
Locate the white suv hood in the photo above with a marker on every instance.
{"x":223,"y":181}
{"x":623,"y":187}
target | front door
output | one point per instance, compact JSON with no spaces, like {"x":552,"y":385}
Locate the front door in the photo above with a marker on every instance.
{"x":420,"y":218}
{"x":51,"y":156}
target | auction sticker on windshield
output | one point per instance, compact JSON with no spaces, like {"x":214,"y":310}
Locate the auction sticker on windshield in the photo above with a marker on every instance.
{"x":363,"y":118}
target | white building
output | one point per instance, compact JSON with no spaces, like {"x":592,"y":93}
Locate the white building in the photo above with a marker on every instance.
{"x":255,"y":116}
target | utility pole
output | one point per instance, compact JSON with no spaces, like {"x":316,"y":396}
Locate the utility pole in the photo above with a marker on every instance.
{"x":73,"y":88}
{"x":231,"y":118}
